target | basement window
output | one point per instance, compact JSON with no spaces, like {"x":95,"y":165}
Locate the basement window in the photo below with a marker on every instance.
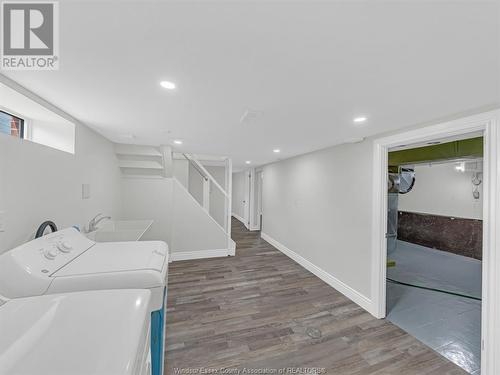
{"x":11,"y":125}
{"x":26,"y":118}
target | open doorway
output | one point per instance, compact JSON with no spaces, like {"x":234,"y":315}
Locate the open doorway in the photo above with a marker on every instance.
{"x":484,"y":125}
{"x":434,"y":246}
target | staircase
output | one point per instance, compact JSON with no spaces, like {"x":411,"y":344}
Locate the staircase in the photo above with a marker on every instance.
{"x":191,"y":207}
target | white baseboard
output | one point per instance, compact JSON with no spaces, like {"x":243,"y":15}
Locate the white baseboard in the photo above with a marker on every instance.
{"x":250,"y":228}
{"x":335,"y":283}
{"x":239,"y":218}
{"x":200,"y":254}
{"x":232,"y":248}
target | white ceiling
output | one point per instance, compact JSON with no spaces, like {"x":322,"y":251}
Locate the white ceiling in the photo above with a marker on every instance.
{"x":307,"y":67}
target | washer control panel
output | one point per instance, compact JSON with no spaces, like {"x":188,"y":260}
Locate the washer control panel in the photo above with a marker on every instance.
{"x":49,"y":253}
{"x":57,"y":246}
{"x":28,"y":269}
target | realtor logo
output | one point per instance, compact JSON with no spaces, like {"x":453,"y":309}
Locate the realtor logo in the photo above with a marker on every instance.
{"x":30,"y":39}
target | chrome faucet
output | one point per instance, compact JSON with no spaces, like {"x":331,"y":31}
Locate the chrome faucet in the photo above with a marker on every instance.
{"x":96,"y":220}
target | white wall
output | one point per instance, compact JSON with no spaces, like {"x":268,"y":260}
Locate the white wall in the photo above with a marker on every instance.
{"x":39,"y":183}
{"x":442,"y":190}
{"x":149,"y":199}
{"x":319,"y":205}
{"x":178,"y":218}
{"x":217,"y":199}
{"x":193,"y":229}
{"x":238,"y":193}
{"x":195,"y":184}
{"x":181,"y":171}
{"x":55,"y":135}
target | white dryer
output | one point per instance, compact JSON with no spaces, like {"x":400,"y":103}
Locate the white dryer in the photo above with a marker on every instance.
{"x":67,"y":261}
{"x":84,"y":333}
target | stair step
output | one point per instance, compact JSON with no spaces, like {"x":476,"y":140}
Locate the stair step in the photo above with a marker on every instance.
{"x":140,"y":164}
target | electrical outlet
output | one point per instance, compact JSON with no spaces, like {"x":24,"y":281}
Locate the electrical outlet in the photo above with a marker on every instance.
{"x":2,"y":221}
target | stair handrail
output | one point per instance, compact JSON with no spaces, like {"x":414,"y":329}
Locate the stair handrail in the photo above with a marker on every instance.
{"x":196,"y":162}
{"x":192,"y":160}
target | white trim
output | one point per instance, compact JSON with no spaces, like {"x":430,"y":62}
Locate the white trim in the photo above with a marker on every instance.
{"x":248,"y":198}
{"x":200,"y":254}
{"x":239,"y":218}
{"x":181,"y":186}
{"x":487,"y":124}
{"x":251,"y":199}
{"x":331,"y":280}
{"x":229,"y":201}
{"x":208,"y":175}
{"x":232,"y":248}
{"x":260,"y":180}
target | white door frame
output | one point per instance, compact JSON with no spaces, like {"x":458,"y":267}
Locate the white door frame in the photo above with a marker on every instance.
{"x":247,"y":209}
{"x":255,"y":185}
{"x":487,"y":124}
{"x":259,"y":175}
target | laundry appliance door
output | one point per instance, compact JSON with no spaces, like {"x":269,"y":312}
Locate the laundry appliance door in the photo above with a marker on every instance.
{"x":91,"y":333}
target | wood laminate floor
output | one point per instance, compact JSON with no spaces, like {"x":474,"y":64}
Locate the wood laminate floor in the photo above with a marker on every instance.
{"x":262,"y":312}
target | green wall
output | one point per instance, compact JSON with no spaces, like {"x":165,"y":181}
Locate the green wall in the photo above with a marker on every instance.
{"x":465,"y":148}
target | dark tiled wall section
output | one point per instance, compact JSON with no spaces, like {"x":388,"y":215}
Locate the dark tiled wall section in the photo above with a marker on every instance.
{"x":455,"y":235}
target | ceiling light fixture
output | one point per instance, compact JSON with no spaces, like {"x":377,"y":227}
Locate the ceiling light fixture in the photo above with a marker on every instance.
{"x":178,"y":142}
{"x":167,"y":85}
{"x":248,"y":162}
{"x":276,"y":150}
{"x":360,"y":119}
{"x":460,"y":167}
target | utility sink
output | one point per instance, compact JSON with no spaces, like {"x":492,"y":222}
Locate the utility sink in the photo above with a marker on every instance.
{"x":120,"y":230}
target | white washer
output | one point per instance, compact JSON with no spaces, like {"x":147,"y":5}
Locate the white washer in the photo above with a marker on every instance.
{"x":67,"y":261}
{"x":84,"y":333}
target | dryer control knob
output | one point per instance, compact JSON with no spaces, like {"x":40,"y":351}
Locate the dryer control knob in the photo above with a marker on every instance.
{"x":65,"y":246}
{"x":51,"y":254}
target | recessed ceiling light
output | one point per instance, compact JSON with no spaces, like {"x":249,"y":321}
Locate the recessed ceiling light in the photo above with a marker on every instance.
{"x":167,"y":85}
{"x":178,"y":142}
{"x":276,"y":150}
{"x":248,"y":162}
{"x":360,"y":119}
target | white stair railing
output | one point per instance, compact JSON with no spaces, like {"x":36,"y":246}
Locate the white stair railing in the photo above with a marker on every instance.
{"x":159,"y":162}
{"x":210,"y":184}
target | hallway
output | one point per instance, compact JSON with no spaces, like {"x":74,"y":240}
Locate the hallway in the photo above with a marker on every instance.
{"x":261,"y":310}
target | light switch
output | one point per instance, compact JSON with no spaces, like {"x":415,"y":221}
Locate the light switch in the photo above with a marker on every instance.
{"x":85,"y":191}
{"x":2,"y":221}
